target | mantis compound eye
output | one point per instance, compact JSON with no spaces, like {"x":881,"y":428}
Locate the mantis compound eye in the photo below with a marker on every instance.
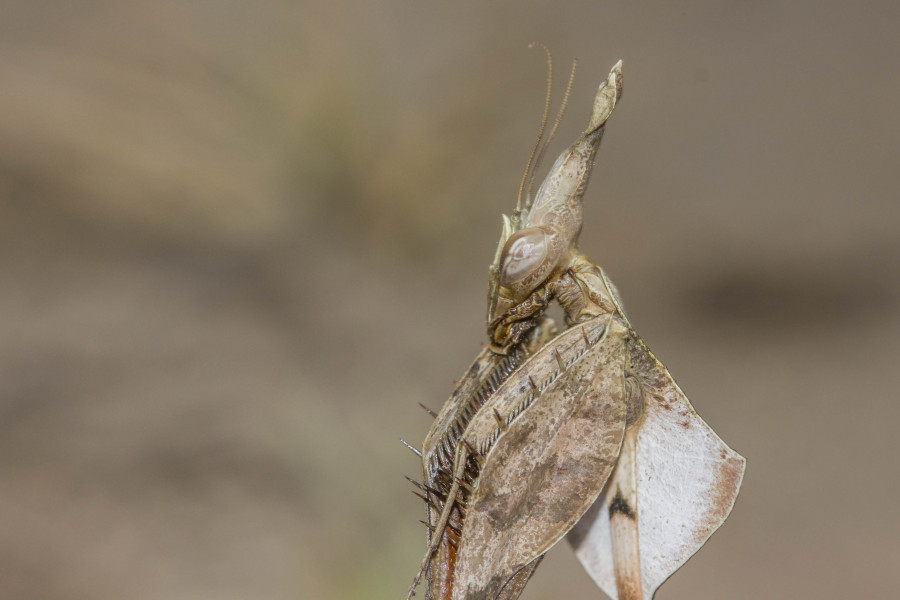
{"x":524,"y":259}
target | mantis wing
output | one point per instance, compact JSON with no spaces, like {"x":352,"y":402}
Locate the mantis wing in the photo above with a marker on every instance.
{"x":687,"y":481}
{"x":546,"y":460}
{"x":486,"y":375}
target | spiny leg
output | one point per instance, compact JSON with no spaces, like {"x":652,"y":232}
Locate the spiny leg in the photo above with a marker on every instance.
{"x":509,"y":328}
{"x":459,"y":467}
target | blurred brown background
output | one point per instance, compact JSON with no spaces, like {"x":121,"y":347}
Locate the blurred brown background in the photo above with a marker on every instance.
{"x":240,"y":241}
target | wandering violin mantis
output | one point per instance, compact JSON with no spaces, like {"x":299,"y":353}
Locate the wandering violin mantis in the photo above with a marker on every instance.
{"x":580,"y":434}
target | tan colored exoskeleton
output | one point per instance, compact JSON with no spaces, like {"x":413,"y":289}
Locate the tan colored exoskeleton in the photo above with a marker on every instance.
{"x":582,"y":433}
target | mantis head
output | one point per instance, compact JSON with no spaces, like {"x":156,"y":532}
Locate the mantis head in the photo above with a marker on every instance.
{"x":539,"y":242}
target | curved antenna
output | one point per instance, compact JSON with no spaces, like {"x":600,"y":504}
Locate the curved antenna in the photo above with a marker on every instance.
{"x":559,"y":117}
{"x":537,"y":143}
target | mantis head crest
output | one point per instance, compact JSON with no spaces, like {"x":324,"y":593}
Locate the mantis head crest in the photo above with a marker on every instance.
{"x":540,"y":240}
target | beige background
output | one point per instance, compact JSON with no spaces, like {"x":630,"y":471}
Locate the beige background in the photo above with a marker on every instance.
{"x":240,"y":241}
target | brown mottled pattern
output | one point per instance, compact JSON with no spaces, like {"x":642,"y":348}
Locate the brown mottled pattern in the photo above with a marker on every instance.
{"x":512,"y":589}
{"x":546,"y":469}
{"x":688,"y":480}
{"x":541,"y":370}
{"x":482,"y":379}
{"x":440,"y":446}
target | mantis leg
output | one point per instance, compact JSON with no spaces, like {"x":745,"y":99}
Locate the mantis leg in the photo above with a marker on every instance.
{"x":510,"y":327}
{"x":459,"y":467}
{"x":623,"y":522}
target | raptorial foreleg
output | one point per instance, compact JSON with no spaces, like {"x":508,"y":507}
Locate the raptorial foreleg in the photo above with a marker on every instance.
{"x":510,"y":327}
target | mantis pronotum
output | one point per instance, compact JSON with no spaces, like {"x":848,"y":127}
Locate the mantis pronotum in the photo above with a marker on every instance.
{"x":581,"y":434}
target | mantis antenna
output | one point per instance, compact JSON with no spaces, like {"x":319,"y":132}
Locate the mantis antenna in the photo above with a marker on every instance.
{"x":559,"y":117}
{"x":540,"y":137}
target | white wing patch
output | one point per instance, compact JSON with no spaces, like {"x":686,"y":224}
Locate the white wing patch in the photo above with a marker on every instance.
{"x":687,"y":481}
